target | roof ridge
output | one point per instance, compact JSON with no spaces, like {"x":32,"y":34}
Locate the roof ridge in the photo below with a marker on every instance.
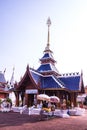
{"x":58,"y":81}
{"x":72,"y":74}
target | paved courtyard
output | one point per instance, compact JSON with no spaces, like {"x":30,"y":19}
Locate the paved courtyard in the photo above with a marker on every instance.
{"x":15,"y":121}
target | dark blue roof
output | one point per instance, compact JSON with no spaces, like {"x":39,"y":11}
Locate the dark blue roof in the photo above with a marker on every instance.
{"x":2,"y":78}
{"x":71,"y":82}
{"x":47,"y":81}
{"x":44,"y":67}
{"x":36,"y":76}
{"x":50,"y":82}
{"x":47,"y":55}
{"x":47,"y":67}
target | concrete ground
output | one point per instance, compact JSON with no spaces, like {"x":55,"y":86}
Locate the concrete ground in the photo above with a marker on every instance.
{"x":15,"y":121}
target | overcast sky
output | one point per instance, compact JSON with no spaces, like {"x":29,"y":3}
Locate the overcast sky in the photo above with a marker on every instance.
{"x":23,"y":35}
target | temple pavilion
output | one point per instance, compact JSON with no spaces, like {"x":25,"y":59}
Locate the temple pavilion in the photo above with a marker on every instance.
{"x":3,"y":86}
{"x":47,"y":79}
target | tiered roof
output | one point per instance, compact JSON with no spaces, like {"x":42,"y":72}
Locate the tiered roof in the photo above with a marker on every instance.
{"x":47,"y":66}
{"x":3,"y":83}
{"x":48,"y":77}
{"x":70,"y":82}
{"x":2,"y":78}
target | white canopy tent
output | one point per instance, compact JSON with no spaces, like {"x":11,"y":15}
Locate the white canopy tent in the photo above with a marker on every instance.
{"x":81,"y":98}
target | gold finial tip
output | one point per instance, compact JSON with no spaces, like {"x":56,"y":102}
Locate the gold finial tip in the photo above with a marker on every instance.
{"x":49,"y":22}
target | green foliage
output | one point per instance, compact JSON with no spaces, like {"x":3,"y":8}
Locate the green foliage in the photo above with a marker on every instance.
{"x":9,"y":100}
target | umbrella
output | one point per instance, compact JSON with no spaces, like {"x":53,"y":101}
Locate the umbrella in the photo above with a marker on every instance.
{"x":54,"y":99}
{"x":43,"y":97}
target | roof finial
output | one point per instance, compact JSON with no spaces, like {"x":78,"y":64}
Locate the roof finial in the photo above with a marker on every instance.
{"x":12,"y":79}
{"x":13,"y":69}
{"x":4,"y":70}
{"x":48,"y":23}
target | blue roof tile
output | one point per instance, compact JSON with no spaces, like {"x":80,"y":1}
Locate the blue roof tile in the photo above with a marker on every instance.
{"x":50,"y":82}
{"x":71,"y":82}
{"x":2,"y":78}
{"x":47,"y":81}
{"x":47,"y":55}
{"x":35,"y":75}
{"x":44,"y":67}
{"x":47,"y":67}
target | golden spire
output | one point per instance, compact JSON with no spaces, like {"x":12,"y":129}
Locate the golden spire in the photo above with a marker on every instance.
{"x":48,"y":24}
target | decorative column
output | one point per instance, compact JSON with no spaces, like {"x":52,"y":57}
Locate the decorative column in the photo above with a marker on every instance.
{"x":73,"y":98}
{"x":26,"y":100}
{"x":22,"y":96}
{"x":17,"y":98}
{"x":75,"y":103}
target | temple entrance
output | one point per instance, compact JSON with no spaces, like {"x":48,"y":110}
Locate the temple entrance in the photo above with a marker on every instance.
{"x":30,"y":99}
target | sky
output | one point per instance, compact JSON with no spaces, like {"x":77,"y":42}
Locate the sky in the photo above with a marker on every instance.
{"x":23,"y":35}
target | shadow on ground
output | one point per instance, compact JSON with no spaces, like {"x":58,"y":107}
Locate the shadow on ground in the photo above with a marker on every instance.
{"x":14,"y":119}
